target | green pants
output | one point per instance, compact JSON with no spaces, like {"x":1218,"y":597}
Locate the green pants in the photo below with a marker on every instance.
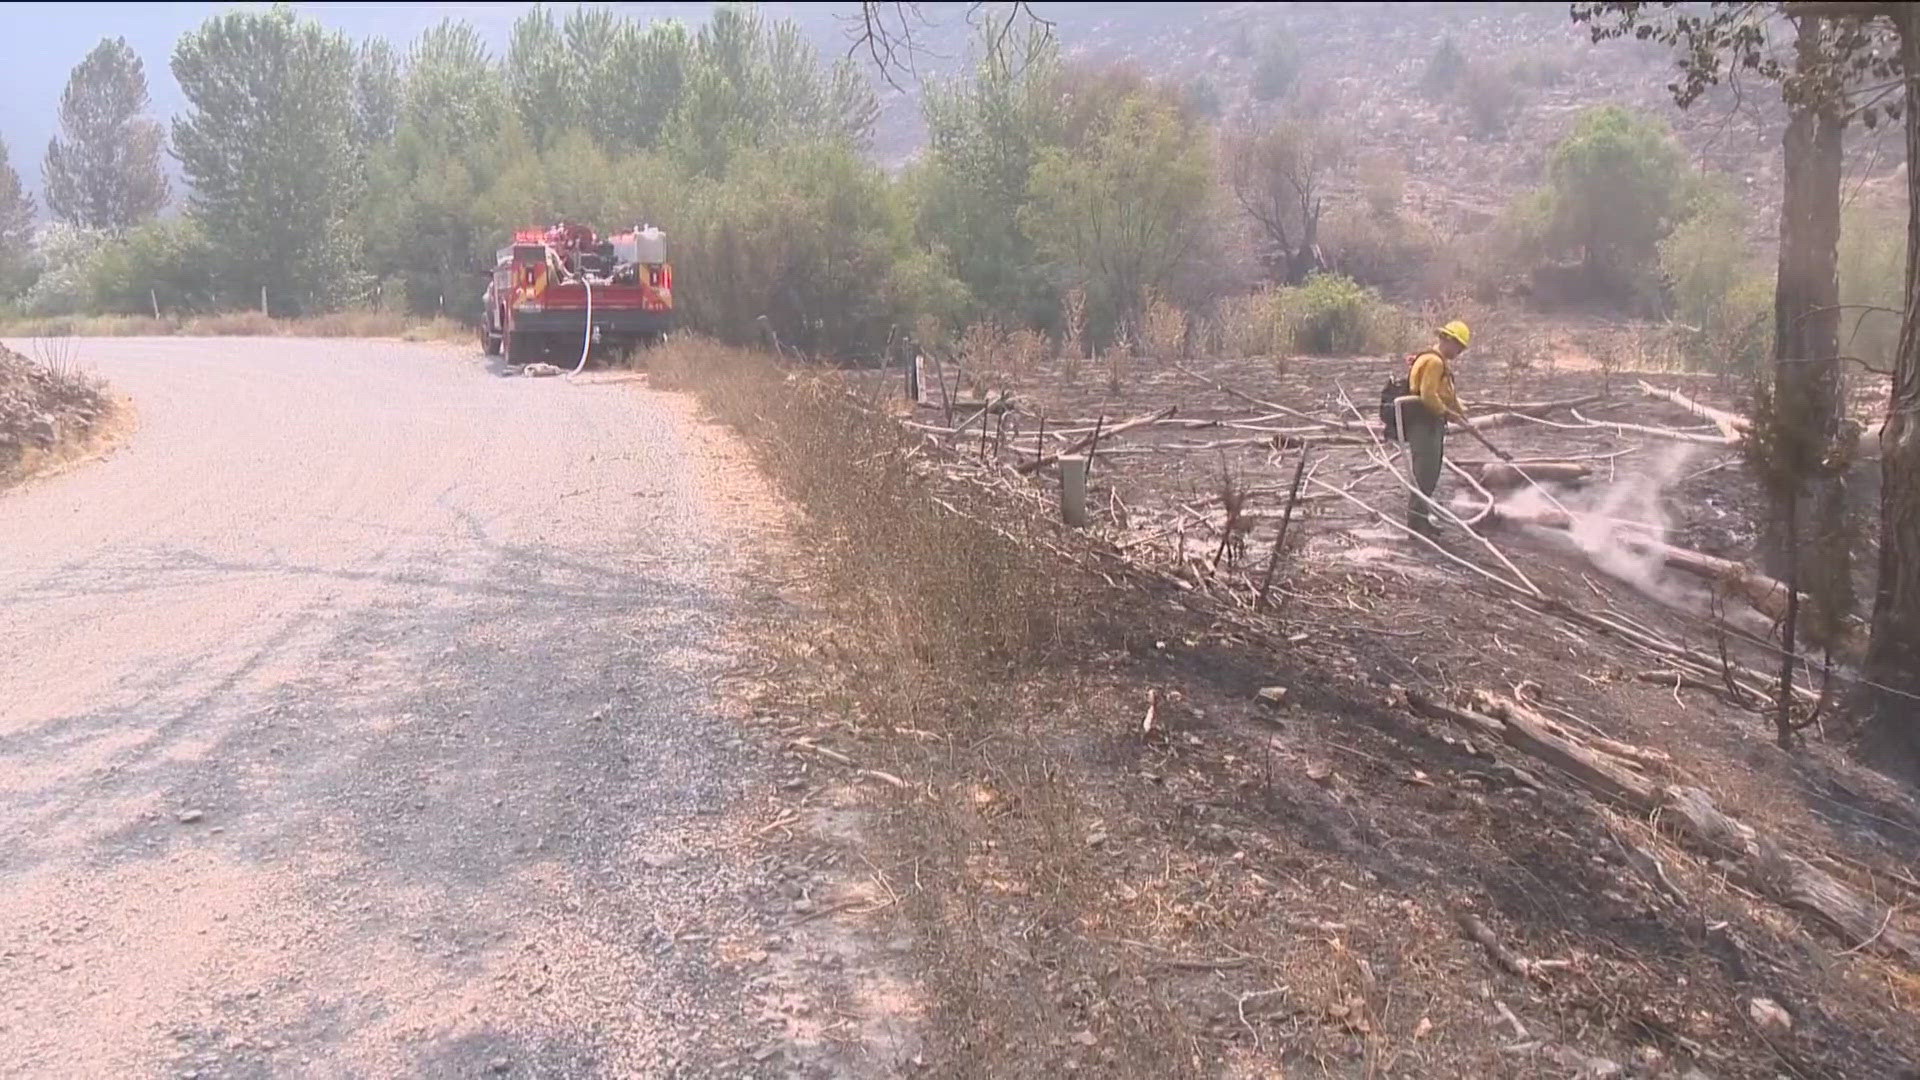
{"x":1426,"y":440}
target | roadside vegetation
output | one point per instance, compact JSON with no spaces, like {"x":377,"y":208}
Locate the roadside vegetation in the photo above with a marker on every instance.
{"x":1043,"y":177}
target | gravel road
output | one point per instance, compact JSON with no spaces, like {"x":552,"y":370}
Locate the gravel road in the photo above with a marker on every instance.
{"x":359,"y":717}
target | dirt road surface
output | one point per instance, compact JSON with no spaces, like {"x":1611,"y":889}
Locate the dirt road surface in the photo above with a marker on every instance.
{"x":358,"y":718}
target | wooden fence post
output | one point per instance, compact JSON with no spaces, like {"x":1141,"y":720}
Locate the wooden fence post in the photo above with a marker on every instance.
{"x":1073,"y":490}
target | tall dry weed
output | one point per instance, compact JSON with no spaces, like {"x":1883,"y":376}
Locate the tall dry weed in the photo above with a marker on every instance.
{"x":1163,"y":328}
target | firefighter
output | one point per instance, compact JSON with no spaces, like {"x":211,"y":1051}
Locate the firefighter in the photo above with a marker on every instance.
{"x":1425,"y":413}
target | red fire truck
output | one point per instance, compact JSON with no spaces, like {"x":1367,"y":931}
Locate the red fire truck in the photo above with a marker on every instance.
{"x":566,"y":288}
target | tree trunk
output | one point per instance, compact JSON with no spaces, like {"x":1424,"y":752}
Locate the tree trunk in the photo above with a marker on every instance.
{"x":1807,"y":398}
{"x":1893,"y":655}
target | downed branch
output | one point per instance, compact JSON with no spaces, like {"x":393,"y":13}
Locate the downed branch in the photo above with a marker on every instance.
{"x":1733,"y":427}
{"x":1514,"y":414}
{"x":1759,"y":861}
{"x":1501,"y":474}
{"x":1089,"y":441}
{"x":1647,"y":429}
{"x":1766,"y":594}
{"x":1506,"y":957}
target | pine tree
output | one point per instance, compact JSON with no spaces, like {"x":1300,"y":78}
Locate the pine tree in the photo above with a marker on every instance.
{"x":103,"y":170}
{"x":16,"y":227}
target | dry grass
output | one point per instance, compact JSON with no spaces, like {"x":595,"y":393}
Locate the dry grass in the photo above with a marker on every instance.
{"x":1252,"y":325}
{"x":1244,"y":890}
{"x":346,"y":324}
{"x":955,"y":642}
{"x":1073,"y":339}
{"x":1163,"y":329}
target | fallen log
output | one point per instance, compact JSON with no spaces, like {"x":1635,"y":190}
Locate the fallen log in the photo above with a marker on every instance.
{"x":1500,"y":474}
{"x":1764,"y":594}
{"x":1638,"y":758}
{"x":1757,"y":860}
{"x":1593,"y":770}
{"x":1647,"y":429}
{"x":1733,"y":426}
{"x":1765,"y":864}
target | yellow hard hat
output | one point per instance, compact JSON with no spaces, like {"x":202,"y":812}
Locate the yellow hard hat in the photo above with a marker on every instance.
{"x":1458,"y":331}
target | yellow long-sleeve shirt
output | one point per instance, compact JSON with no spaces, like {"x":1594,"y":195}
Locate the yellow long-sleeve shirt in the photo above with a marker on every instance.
{"x":1432,"y":381}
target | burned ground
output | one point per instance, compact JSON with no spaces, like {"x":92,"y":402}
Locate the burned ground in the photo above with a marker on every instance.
{"x":1159,"y":873}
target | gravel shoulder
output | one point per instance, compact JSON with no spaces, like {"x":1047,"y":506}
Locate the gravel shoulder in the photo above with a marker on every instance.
{"x":366,"y":714}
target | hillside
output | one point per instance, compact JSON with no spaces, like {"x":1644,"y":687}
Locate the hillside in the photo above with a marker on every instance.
{"x":1365,"y":63}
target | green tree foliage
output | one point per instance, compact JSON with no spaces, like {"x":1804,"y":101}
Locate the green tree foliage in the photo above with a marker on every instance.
{"x":655,"y":62}
{"x":452,"y":99}
{"x":377,"y":85}
{"x":266,"y":144}
{"x":421,"y":219}
{"x":810,"y":238}
{"x":16,"y":229}
{"x":985,"y":134}
{"x":1122,"y":214}
{"x":754,"y":85}
{"x":103,"y":169}
{"x":1717,"y":291}
{"x":1616,"y":186}
{"x":540,"y":79}
{"x":1704,"y":257}
{"x":597,"y":72}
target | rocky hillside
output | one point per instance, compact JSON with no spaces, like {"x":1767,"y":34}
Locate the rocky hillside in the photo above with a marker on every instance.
{"x":43,"y":406}
{"x":1367,"y":65}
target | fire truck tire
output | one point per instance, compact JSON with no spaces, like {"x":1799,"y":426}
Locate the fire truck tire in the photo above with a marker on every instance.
{"x":490,"y":343}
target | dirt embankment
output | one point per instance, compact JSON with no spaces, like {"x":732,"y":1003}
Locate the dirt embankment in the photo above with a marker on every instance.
{"x":47,"y":409}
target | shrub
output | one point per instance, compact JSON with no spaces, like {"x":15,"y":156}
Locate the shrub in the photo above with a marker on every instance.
{"x":982,"y":355}
{"x":66,"y":254}
{"x":1739,"y":334}
{"x":1276,"y":66}
{"x":1490,"y":98}
{"x":1073,"y":315}
{"x":1443,"y":69}
{"x":164,"y":264}
{"x":1703,"y":259}
{"x":1334,"y":315}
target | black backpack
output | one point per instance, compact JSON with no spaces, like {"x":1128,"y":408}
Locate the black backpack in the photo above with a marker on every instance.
{"x":1395,"y":388}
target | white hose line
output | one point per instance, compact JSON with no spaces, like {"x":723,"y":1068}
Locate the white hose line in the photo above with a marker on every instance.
{"x":586,"y":337}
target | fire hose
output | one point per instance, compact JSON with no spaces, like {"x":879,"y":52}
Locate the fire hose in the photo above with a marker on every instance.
{"x":586,"y":336}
